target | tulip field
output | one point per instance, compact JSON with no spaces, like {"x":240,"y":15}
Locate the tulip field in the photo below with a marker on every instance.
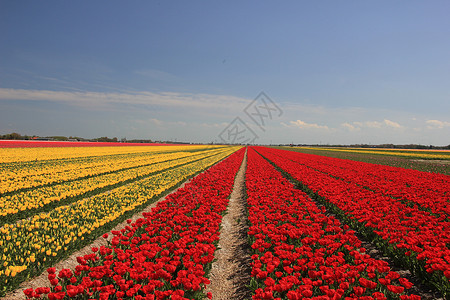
{"x":404,"y":212}
{"x":300,"y":252}
{"x":307,"y":219}
{"x":54,"y":200}
{"x":432,"y":160}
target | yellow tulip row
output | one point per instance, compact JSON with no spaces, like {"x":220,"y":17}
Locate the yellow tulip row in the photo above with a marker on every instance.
{"x":14,"y":155}
{"x":16,"y":176}
{"x":39,"y":197}
{"x":14,"y":270}
{"x":31,"y":244}
{"x":26,"y":177}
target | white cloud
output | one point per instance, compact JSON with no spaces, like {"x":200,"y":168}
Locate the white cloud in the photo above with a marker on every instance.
{"x":436,"y":124}
{"x":160,"y":123}
{"x":350,"y":127}
{"x":98,"y":99}
{"x":214,"y":125}
{"x":373,"y":124}
{"x":156,"y":121}
{"x":354,"y":126}
{"x":201,"y":117}
{"x":393,"y":124}
{"x":320,"y":110}
{"x":303,"y":125}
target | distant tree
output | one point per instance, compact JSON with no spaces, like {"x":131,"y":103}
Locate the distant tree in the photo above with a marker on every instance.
{"x":106,"y":139}
{"x":12,"y":136}
{"x":59,"y":138}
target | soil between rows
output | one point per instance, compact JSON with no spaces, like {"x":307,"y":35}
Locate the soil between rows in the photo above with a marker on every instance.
{"x":230,"y":272}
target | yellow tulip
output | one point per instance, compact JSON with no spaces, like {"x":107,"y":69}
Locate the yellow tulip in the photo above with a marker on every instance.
{"x":28,"y":241}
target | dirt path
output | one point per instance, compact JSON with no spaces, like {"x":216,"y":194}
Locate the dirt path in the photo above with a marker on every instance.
{"x":230,"y":273}
{"x":71,"y":262}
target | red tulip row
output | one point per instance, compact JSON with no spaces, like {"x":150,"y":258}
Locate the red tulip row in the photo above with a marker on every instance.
{"x":165,"y":255}
{"x":300,"y":253}
{"x":429,"y":190}
{"x":417,"y":238}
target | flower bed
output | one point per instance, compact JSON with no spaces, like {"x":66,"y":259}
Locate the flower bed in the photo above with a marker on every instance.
{"x":412,"y":236}
{"x":44,"y":237}
{"x":165,"y":255}
{"x":300,"y":253}
{"x":431,"y":191}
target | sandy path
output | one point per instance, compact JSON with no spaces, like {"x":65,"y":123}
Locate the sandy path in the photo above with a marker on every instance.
{"x":230,"y":273}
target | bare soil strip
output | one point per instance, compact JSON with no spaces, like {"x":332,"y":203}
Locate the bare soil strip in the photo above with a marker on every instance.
{"x":230,"y":273}
{"x":433,"y":161}
{"x":71,"y":262}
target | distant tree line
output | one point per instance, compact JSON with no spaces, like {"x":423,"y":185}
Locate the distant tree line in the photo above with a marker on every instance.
{"x":18,"y":136}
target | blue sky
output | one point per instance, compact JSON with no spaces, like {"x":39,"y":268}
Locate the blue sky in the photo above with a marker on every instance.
{"x":340,"y":71}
